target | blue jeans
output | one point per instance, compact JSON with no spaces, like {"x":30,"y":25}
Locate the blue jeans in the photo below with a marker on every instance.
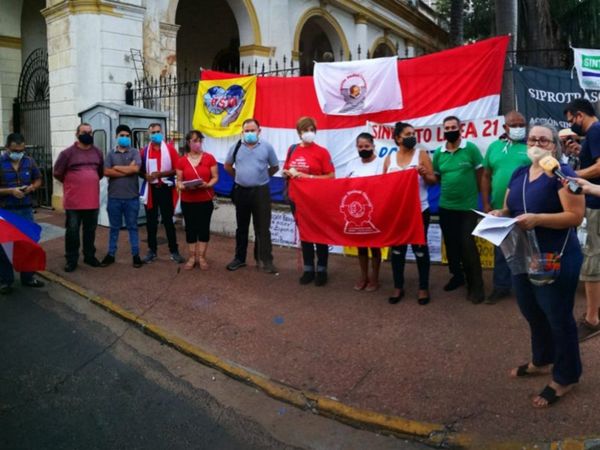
{"x":502,"y":275}
{"x":549,"y":311}
{"x":117,"y":210}
{"x":7,"y":275}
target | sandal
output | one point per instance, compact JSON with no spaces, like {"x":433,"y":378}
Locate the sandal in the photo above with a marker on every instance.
{"x":190,"y":264}
{"x":361,"y":285}
{"x":202,"y":263}
{"x":548,"y":394}
{"x":523,"y":371}
{"x":372,"y":287}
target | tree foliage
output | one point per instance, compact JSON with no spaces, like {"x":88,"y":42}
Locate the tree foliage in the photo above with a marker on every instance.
{"x":544,"y":26}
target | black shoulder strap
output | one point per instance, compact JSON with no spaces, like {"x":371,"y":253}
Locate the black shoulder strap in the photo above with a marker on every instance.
{"x":290,"y":152}
{"x":235,"y":150}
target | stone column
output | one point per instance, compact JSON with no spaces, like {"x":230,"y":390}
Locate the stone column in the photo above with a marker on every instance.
{"x":10,"y":69}
{"x":361,"y":37}
{"x":88,"y":62}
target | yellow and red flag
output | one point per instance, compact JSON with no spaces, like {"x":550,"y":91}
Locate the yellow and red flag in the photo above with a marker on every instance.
{"x":223,"y":105}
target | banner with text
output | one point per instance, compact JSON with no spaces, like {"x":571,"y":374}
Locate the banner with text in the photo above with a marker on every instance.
{"x":543,"y":94}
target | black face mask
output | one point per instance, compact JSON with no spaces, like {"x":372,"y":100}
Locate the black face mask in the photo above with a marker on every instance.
{"x":409,"y":142}
{"x":86,"y":139}
{"x":364,"y":154}
{"x":577,"y":129}
{"x":452,"y":136}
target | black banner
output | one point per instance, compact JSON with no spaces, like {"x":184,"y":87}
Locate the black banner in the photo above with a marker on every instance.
{"x":543,"y":94}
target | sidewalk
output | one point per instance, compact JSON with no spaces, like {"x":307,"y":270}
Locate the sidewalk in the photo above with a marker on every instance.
{"x":444,"y":363}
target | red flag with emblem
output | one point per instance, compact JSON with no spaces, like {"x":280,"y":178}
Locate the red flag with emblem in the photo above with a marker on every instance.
{"x":375,"y":211}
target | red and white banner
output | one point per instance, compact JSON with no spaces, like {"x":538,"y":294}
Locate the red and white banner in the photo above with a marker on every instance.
{"x":464,"y":81}
{"x":358,"y":87}
{"x":375,"y":211}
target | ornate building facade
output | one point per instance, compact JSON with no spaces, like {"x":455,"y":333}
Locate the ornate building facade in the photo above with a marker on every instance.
{"x":62,"y":56}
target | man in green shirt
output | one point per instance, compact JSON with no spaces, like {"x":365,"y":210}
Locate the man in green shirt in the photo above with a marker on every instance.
{"x":502,"y":158}
{"x":458,"y":166}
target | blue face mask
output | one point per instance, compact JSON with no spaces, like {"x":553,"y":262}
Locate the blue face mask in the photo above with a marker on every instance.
{"x":156,"y":138}
{"x":250,"y":137}
{"x":124,"y":141}
{"x":16,"y":156}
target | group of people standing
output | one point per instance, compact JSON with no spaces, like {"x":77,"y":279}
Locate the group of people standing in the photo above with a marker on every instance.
{"x":510,"y":180}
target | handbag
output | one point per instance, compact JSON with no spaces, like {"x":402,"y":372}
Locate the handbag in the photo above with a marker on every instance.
{"x":543,"y":268}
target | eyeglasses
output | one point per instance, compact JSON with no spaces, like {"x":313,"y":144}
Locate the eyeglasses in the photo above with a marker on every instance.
{"x":155,"y":132}
{"x":541,"y":141}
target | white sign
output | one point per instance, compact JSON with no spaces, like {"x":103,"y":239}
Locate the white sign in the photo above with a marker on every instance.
{"x":587,"y":63}
{"x":481,"y":132}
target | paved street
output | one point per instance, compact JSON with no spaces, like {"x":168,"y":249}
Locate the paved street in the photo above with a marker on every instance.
{"x":72,"y":376}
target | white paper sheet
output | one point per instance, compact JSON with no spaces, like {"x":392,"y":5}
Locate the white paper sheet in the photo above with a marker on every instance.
{"x":493,"y":229}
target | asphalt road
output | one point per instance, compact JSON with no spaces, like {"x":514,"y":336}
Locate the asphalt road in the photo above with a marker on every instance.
{"x":72,"y":376}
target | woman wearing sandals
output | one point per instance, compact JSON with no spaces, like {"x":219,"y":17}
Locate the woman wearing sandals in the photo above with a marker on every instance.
{"x":197,"y":173}
{"x":410,"y":157}
{"x":542,"y":204}
{"x":367,"y":165}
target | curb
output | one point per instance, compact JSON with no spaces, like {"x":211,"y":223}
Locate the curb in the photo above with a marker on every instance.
{"x":432,"y":434}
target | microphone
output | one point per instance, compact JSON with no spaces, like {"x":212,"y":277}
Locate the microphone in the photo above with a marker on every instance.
{"x":551,"y":166}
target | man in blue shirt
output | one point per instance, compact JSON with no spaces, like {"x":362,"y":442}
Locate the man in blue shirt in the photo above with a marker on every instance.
{"x":19,"y":178}
{"x":252,"y":162}
{"x":581,"y":116}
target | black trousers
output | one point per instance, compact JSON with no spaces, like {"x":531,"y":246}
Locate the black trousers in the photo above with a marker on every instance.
{"x":197,"y":220}
{"x":76,"y":219}
{"x":308,"y":256}
{"x":422,"y":256}
{"x":162,"y":199}
{"x":461,"y":249}
{"x":253,"y":203}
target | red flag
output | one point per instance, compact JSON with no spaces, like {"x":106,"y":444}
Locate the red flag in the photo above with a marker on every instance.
{"x":376,"y":211}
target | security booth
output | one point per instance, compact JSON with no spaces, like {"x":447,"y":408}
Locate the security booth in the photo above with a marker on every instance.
{"x":104,"y":118}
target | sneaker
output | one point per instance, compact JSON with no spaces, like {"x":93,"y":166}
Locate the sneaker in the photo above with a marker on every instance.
{"x":497,"y":295}
{"x":454,"y":283}
{"x":33,"y":283}
{"x":93,"y":262}
{"x":107,"y":260}
{"x":70,"y":266}
{"x":269,"y":268}
{"x":476,"y":298}
{"x":235,"y":265}
{"x":175,"y":256}
{"x":150,"y":256}
{"x":321,"y":279}
{"x":137,"y":262}
{"x":586,"y":330}
{"x":307,"y":277}
{"x":5,"y":289}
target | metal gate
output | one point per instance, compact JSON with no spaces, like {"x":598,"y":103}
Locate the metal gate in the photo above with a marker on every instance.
{"x":31,"y":117}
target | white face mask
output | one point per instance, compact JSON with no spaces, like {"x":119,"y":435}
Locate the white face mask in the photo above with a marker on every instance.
{"x":537,"y":153}
{"x":517,"y":133}
{"x":308,"y":137}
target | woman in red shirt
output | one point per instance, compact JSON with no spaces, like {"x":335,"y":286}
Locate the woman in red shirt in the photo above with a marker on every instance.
{"x":197,"y":173}
{"x":309,"y":160}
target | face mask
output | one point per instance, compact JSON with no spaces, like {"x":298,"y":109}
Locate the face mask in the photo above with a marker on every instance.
{"x":577,"y":129}
{"x":537,"y":153}
{"x":86,"y":139}
{"x":196,"y":147}
{"x":16,"y":156}
{"x":156,"y":138}
{"x":124,"y":141}
{"x":365,"y":154}
{"x":308,"y":137}
{"x":409,"y":142}
{"x":452,"y":136}
{"x":516,"y":133}
{"x":250,"y":137}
